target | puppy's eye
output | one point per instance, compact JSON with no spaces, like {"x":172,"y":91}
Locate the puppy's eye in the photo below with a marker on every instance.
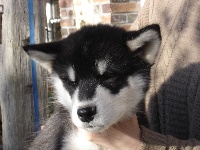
{"x":109,"y":78}
{"x":68,"y":81}
{"x":72,"y":82}
{"x":64,"y":78}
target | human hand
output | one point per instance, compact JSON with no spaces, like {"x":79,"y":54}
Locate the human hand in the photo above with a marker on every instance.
{"x":124,"y":135}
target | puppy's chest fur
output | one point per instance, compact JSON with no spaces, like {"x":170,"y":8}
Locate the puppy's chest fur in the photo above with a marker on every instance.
{"x":77,"y":141}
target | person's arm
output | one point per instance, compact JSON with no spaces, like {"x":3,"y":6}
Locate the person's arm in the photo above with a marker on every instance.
{"x":155,"y":141}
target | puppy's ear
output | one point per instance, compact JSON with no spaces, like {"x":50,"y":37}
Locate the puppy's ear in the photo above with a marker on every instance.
{"x":44,"y":54}
{"x":146,"y":42}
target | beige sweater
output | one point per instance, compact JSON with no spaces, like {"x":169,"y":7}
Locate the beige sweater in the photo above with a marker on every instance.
{"x":173,"y":100}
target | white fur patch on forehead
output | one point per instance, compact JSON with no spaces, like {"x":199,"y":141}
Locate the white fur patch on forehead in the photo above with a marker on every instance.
{"x":101,"y":66}
{"x":71,"y":73}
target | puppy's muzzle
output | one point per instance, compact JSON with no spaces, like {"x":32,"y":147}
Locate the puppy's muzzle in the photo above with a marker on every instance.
{"x":86,"y":114}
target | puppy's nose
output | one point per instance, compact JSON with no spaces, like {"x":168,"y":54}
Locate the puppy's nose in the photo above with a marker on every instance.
{"x":86,"y":114}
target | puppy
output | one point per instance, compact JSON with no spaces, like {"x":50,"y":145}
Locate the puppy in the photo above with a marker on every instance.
{"x":100,"y":74}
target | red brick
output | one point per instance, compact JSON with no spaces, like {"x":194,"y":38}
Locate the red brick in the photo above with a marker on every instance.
{"x":67,"y":23}
{"x":131,"y":17}
{"x":67,"y":13}
{"x":71,"y":13}
{"x":125,"y":26}
{"x":63,"y":13}
{"x":72,"y":30}
{"x":65,"y":3}
{"x":118,"y":18}
{"x":64,"y":32}
{"x":106,"y":18}
{"x":101,"y":1}
{"x":97,"y":9}
{"x":119,"y":1}
{"x":125,"y":7}
{"x":106,"y":8}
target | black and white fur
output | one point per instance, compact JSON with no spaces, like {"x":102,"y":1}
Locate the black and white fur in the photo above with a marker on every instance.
{"x":100,"y":74}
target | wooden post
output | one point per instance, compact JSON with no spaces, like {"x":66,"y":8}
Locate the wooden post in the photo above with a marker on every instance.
{"x":16,"y":95}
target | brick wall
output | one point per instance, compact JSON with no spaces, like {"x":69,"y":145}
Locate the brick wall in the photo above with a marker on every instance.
{"x":124,"y":12}
{"x":76,"y":13}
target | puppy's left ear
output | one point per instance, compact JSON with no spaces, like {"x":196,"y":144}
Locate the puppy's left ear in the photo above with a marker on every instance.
{"x":44,"y":54}
{"x":146,"y":42}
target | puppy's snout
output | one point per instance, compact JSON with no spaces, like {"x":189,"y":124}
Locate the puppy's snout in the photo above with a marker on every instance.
{"x":86,"y":114}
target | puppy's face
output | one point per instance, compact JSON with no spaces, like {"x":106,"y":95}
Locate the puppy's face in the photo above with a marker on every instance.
{"x":100,"y":73}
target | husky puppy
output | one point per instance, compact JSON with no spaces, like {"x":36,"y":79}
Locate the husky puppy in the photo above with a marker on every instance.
{"x":100,"y":74}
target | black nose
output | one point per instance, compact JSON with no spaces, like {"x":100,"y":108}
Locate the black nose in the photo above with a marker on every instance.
{"x":86,"y":114}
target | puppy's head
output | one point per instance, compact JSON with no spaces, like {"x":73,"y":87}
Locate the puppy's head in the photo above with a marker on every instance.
{"x":100,"y":73}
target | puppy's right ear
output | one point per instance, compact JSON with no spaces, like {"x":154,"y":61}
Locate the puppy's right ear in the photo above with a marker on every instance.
{"x":147,"y":41}
{"x":44,"y":54}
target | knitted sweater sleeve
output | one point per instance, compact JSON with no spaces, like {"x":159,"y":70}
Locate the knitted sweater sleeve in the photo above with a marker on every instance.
{"x":156,"y":141}
{"x":152,"y":13}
